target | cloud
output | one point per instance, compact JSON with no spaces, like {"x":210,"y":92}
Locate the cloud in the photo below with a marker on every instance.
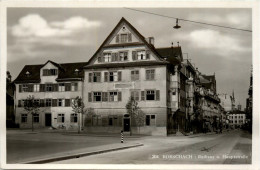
{"x":76,"y":23}
{"x":235,"y":19}
{"x":215,"y":42}
{"x":33,"y":25}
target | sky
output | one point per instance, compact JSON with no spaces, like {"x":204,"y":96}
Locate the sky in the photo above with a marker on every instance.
{"x":63,"y":35}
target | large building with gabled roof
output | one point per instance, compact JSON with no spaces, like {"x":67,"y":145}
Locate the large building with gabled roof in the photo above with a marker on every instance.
{"x":53,"y":86}
{"x":127,"y":64}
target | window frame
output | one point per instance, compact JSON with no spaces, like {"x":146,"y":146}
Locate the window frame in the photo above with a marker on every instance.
{"x":73,"y":116}
{"x":37,"y":115}
{"x":135,"y":77}
{"x":24,"y":116}
{"x":95,"y":95}
{"x":149,"y":76}
{"x":49,"y":101}
{"x":60,"y":118}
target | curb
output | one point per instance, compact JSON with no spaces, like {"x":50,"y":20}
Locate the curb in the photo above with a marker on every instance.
{"x":79,"y":155}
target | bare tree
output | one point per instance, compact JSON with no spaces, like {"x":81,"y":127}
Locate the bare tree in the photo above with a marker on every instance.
{"x":78,"y":108}
{"x":31,"y":106}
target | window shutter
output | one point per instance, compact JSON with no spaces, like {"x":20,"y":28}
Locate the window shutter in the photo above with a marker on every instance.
{"x":99,"y":59}
{"x":42,"y":87}
{"x":117,"y":38}
{"x":104,"y":96}
{"x":76,"y":86}
{"x":106,"y":76}
{"x":54,"y":102}
{"x":116,"y":56}
{"x":31,"y":87}
{"x":157,"y":94}
{"x":113,"y":57}
{"x":67,"y":86}
{"x":42,"y":104}
{"x":89,"y":97}
{"x":67,"y":102}
{"x":134,"y":55}
{"x":19,"y":103}
{"x":129,"y":37}
{"x":119,"y":76}
{"x":55,"y":87}
{"x":119,"y":96}
{"x":147,"y":54}
{"x":20,"y":88}
{"x":45,"y":72}
{"x":142,"y":95}
{"x":90,"y":77}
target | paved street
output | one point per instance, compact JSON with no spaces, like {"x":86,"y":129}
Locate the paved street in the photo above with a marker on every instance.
{"x":26,"y":146}
{"x":206,"y":149}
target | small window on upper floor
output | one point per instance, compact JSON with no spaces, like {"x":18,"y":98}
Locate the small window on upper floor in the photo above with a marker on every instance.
{"x":50,"y":72}
{"x":124,"y":38}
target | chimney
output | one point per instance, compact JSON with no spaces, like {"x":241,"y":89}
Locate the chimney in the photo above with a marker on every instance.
{"x":151,"y":40}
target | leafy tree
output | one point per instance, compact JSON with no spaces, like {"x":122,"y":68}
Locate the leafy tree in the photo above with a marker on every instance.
{"x":78,"y":108}
{"x":31,"y":107}
{"x":134,"y":112}
{"x":139,"y":118}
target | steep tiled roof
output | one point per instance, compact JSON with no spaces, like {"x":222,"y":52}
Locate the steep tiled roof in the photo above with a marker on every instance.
{"x":170,"y":54}
{"x":128,"y":64}
{"x":66,"y":72}
{"x":169,"y":51}
{"x":151,"y":47}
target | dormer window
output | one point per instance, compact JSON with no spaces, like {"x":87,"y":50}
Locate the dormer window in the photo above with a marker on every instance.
{"x":28,"y":74}
{"x":50,"y":72}
{"x":76,"y":71}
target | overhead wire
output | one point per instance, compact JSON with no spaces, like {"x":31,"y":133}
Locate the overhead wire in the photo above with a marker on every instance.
{"x":186,"y":20}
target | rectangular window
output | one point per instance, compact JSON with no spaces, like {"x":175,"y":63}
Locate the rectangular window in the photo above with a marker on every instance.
{"x":135,"y":95}
{"x":53,"y":72}
{"x":123,"y":56}
{"x":74,"y":86}
{"x":25,"y":88}
{"x":150,"y":74}
{"x":113,"y":76}
{"x":110,"y":121}
{"x":37,"y":102}
{"x":96,"y":77}
{"x":60,"y":102}
{"x":141,"y":55}
{"x":150,"y":120}
{"x":96,"y":96}
{"x":61,"y":87}
{"x":150,"y":95}
{"x":49,"y":87}
{"x":54,"y":102}
{"x":67,"y":102}
{"x":134,"y":75}
{"x":74,"y":118}
{"x":50,"y":72}
{"x":24,"y":118}
{"x":36,"y":118}
{"x":123,"y":38}
{"x":60,"y":118}
{"x":36,"y":87}
{"x":48,"y":102}
{"x":107,"y":57}
{"x":113,"y":96}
